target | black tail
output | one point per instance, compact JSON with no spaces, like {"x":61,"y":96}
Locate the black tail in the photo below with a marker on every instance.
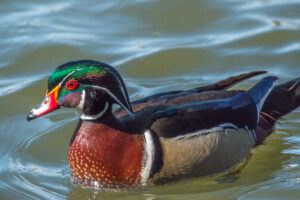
{"x":282,"y":100}
{"x":261,"y":91}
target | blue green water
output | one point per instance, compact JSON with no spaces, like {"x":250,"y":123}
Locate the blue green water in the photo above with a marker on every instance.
{"x":156,"y":46}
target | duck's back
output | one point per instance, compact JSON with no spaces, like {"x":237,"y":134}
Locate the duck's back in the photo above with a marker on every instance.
{"x":200,"y":133}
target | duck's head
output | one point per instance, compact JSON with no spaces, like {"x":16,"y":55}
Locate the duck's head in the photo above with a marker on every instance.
{"x":89,"y":86}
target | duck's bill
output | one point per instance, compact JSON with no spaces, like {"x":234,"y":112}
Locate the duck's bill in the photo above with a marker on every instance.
{"x":49,"y":104}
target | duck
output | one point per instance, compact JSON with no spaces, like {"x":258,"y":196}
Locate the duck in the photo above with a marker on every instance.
{"x":164,"y":137}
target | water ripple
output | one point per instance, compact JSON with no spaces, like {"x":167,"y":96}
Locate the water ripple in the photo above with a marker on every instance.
{"x":11,"y":85}
{"x":156,"y":46}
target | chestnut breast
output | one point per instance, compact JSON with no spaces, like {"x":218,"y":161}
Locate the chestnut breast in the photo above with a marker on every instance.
{"x":103,"y":157}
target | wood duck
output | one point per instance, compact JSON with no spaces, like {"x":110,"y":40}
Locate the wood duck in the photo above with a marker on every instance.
{"x":163,"y":137}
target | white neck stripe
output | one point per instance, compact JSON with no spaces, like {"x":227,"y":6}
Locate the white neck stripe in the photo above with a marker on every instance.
{"x":148,"y":158}
{"x":115,"y":98}
{"x":93,"y":117}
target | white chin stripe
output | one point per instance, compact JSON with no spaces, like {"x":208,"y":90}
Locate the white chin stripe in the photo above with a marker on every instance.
{"x":93,"y":117}
{"x":148,"y":158}
{"x":81,"y":103}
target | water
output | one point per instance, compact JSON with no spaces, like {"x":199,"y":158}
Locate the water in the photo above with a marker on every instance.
{"x":156,"y":46}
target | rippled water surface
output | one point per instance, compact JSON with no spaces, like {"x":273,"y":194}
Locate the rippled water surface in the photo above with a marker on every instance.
{"x":156,"y":46}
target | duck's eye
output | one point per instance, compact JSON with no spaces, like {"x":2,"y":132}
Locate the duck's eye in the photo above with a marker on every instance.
{"x":71,"y":85}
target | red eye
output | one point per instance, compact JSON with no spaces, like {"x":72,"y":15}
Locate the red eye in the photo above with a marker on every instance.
{"x":71,"y":85}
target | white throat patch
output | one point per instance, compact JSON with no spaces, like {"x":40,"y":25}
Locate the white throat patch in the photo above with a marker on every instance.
{"x":81,"y":103}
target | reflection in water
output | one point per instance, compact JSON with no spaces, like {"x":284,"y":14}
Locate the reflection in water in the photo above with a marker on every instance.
{"x":156,"y":46}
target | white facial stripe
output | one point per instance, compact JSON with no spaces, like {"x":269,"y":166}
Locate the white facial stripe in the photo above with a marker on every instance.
{"x":82,"y":101}
{"x":93,"y":117}
{"x":115,"y":98}
{"x":65,"y":78}
{"x":123,"y":92}
{"x":122,"y":89}
{"x":148,"y":159}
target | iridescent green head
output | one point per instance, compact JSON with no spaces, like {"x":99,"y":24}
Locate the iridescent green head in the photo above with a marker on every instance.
{"x":90,"y":86}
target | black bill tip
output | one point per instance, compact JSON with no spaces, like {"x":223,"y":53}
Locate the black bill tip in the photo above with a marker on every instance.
{"x":30,"y":116}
